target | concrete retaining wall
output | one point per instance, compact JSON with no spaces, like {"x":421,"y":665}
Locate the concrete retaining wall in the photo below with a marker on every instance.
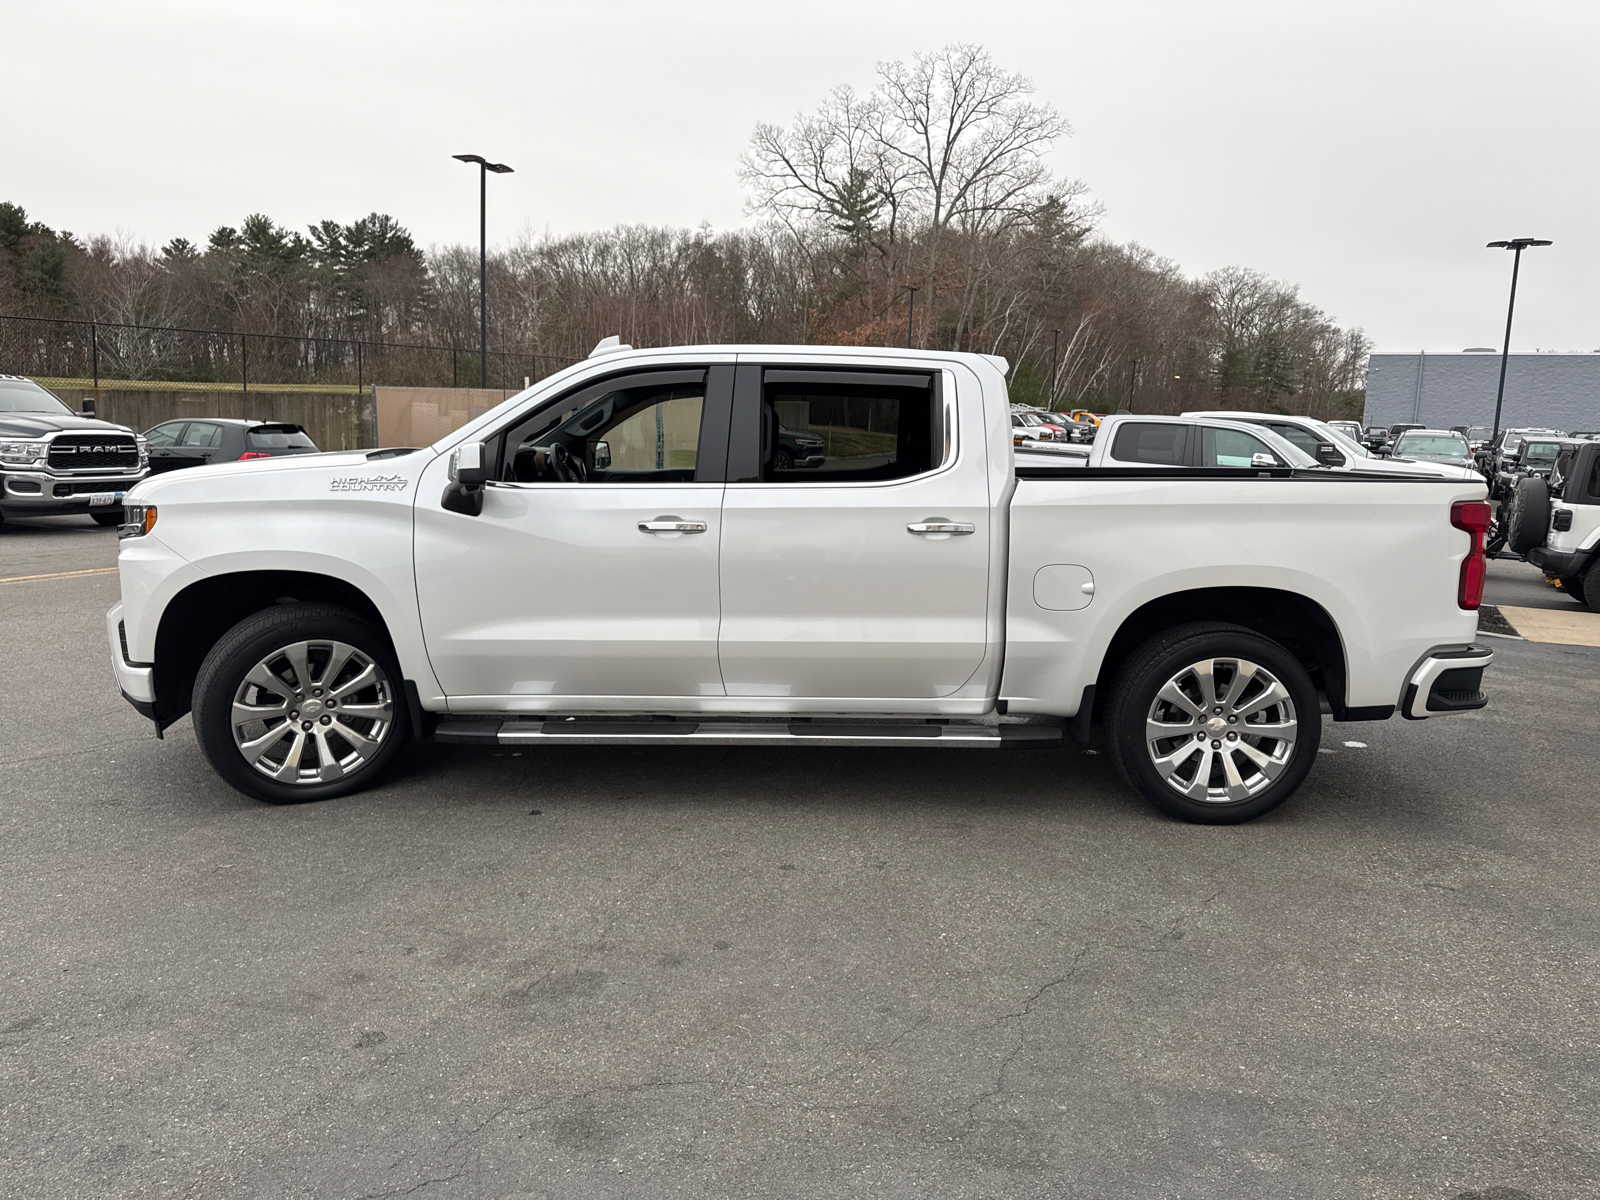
{"x":335,"y":420}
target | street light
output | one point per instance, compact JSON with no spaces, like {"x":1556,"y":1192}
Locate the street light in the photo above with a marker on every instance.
{"x":1518,"y":245}
{"x":484,"y":167}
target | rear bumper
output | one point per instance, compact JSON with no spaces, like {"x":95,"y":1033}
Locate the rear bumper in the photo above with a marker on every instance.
{"x":137,"y":680}
{"x":1449,"y":679}
{"x":1558,"y":564}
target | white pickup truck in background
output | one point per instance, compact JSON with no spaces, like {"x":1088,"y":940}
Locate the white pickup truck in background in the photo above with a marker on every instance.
{"x":622,"y":555}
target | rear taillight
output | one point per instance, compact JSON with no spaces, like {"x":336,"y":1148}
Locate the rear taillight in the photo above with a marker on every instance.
{"x":253,"y":454}
{"x":1472,"y":517}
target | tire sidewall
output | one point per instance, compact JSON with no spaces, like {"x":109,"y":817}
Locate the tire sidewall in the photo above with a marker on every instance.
{"x":1145,"y":674}
{"x":246,"y":644}
{"x":1530,"y":514}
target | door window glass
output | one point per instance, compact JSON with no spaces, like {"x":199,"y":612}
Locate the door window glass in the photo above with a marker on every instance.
{"x":1159,"y":444}
{"x":1232,"y":448}
{"x":822,"y":430}
{"x":164,"y":435}
{"x":627,"y":435}
{"x":202,"y":434}
{"x":1296,"y":436}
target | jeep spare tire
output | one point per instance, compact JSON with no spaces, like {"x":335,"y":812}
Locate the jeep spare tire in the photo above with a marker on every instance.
{"x":1529,"y":518}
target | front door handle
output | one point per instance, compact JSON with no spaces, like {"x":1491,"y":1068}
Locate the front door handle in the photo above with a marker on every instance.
{"x":941,"y":527}
{"x":672,"y":526}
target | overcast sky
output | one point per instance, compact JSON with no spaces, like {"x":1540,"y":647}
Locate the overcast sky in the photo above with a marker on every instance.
{"x":1365,"y":151}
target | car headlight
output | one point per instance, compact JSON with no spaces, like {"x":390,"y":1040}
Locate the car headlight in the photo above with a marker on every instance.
{"x":23,"y":454}
{"x":139,"y":520}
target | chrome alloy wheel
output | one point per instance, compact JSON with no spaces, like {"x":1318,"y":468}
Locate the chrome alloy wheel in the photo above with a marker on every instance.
{"x":312,"y":712}
{"x":1221,"y":730}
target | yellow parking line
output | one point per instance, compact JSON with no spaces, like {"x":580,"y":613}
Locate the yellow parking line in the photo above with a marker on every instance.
{"x":61,"y":575}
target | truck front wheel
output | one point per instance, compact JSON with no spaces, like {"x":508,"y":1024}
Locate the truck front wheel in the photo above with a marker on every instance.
{"x":300,"y":702}
{"x":1213,"y":723}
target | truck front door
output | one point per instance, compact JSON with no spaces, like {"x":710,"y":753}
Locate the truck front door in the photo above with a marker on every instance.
{"x":592,"y":569}
{"x":860,"y":567}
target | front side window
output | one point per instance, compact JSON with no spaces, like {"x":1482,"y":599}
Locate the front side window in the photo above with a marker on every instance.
{"x":848,"y":427}
{"x":1232,"y":448}
{"x":637,"y":430}
{"x":164,"y":435}
{"x":1158,"y":444}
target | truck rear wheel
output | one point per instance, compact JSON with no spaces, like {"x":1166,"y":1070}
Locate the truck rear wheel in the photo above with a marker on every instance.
{"x":1213,"y":723}
{"x":300,"y":702}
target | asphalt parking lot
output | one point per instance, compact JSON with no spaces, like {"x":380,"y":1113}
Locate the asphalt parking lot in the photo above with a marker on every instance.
{"x":747,"y":972}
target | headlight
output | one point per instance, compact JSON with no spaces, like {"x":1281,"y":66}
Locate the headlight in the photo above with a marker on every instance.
{"x":26,"y":454}
{"x":141,"y":519}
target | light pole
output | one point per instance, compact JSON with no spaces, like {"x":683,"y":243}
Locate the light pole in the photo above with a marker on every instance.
{"x":1518,"y":245}
{"x":484,"y":167}
{"x":911,"y":315}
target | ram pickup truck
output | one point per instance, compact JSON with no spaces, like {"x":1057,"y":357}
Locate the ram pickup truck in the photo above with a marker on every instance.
{"x":618,"y":556}
{"x":53,"y":461}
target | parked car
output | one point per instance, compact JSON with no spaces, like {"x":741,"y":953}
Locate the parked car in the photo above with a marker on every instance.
{"x":53,"y":460}
{"x":1313,"y":436}
{"x":1554,"y":521}
{"x":1027,"y":426}
{"x":932,"y":589}
{"x":202,"y":441}
{"x":1434,"y":446}
{"x":1350,"y":429}
{"x":1477,"y":436}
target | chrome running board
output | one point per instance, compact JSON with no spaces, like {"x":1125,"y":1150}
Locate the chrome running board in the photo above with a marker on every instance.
{"x":586,"y":731}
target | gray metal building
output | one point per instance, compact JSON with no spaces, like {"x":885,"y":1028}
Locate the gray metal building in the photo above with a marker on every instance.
{"x":1555,"y":391}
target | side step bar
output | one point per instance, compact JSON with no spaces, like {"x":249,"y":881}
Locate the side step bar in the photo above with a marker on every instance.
{"x":557,"y":731}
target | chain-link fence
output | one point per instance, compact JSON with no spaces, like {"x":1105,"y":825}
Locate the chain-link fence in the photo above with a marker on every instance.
{"x":108,"y":354}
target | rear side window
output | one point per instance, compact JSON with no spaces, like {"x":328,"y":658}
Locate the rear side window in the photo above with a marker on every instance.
{"x":269,"y":438}
{"x":1296,"y":436}
{"x":848,"y":427}
{"x":1232,"y":448}
{"x":1159,"y":444}
{"x":202,"y":434}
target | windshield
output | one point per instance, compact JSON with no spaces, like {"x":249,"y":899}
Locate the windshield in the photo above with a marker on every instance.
{"x":25,"y":396}
{"x":1412,"y":443}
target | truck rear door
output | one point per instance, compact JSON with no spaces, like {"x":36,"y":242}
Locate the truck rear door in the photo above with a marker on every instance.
{"x":859,"y":568}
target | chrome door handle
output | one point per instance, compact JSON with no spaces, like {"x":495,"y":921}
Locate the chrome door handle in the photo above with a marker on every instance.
{"x":672,"y":526}
{"x":941,"y":527}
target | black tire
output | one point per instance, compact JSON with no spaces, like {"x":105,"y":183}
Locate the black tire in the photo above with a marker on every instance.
{"x":1572,"y":585}
{"x":1529,"y":518}
{"x":1588,"y":592}
{"x":114,"y":517}
{"x":255,"y":640}
{"x":1166,"y":657}
{"x":782,"y":462}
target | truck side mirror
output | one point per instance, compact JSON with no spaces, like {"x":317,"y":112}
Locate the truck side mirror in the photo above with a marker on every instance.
{"x":88,"y":406}
{"x":1264,"y":460}
{"x":602,"y":456}
{"x":468,"y":474}
{"x":1328,"y":455}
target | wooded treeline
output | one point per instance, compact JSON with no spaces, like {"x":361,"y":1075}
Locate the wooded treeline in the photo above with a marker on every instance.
{"x":935,"y":181}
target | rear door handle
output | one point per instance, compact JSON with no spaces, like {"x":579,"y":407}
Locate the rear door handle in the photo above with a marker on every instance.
{"x":941,"y":527}
{"x":672,"y":526}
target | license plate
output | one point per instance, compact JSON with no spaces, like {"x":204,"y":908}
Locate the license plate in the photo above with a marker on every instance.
{"x":97,"y":498}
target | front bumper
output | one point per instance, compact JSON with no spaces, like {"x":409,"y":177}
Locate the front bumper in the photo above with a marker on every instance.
{"x":1449,"y":679}
{"x":41,"y":492}
{"x":1558,"y":564}
{"x":137,"y":680}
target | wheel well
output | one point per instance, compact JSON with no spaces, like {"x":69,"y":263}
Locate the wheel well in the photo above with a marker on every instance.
{"x":199,"y":615}
{"x":1301,"y":626}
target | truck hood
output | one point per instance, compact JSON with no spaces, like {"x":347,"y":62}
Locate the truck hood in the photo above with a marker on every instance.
{"x":36,"y":425}
{"x":280,"y":475}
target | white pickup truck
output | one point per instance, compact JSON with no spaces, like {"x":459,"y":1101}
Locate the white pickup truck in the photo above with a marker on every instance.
{"x":623,"y":554}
